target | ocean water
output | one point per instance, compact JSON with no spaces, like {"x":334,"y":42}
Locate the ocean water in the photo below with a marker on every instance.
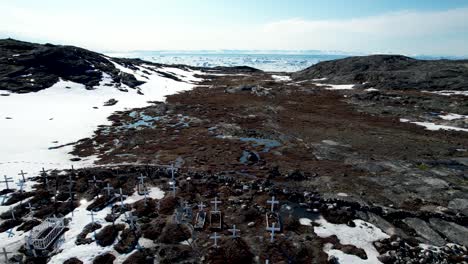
{"x":265,"y":62}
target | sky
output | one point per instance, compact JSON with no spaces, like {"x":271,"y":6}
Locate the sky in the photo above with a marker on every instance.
{"x":416,"y":27}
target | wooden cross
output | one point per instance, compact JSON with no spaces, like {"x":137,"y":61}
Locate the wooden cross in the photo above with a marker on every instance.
{"x":46,"y":180}
{"x":272,"y":202}
{"x":145,"y":193}
{"x":273,"y":229}
{"x":132,"y":219}
{"x":121,"y":198}
{"x":4,"y":196}
{"x":10,"y":233}
{"x":95,"y":181}
{"x":6,"y":181}
{"x":92,"y":214}
{"x":215,"y":238}
{"x":234,"y":231}
{"x":216,"y":202}
{"x":5,"y":253}
{"x":22,"y":175}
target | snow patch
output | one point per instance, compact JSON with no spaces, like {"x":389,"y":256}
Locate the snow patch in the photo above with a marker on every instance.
{"x":448,"y":92}
{"x":451,"y":116}
{"x":336,"y":86}
{"x":65,"y":113}
{"x":434,"y":127}
{"x":281,"y":78}
{"x":361,"y":236}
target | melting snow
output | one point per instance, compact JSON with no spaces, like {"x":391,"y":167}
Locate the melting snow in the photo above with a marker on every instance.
{"x":434,"y":127}
{"x":451,"y":116}
{"x":281,"y":78}
{"x":336,"y":86}
{"x":449,"y":92}
{"x":361,"y":236}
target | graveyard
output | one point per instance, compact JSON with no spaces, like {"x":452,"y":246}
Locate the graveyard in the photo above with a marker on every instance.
{"x":246,"y":166}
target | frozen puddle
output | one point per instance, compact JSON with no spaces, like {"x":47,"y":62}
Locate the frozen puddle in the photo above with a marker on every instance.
{"x":361,"y":236}
{"x":65,"y":113}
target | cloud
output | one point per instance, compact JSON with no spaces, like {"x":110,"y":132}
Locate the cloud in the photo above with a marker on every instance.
{"x":385,"y":31}
{"x":408,"y":32}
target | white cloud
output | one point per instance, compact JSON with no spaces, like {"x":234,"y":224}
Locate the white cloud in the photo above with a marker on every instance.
{"x":406,"y":32}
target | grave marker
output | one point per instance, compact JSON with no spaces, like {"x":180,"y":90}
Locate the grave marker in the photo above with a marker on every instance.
{"x":22,"y":175}
{"x":10,"y":233}
{"x":273,"y":229}
{"x":273,"y":202}
{"x":234,"y":231}
{"x":215,"y":238}
{"x":6,"y":181}
{"x":5,"y":253}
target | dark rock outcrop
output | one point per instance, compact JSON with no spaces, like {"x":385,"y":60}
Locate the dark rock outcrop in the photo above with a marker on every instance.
{"x":391,"y":72}
{"x":30,"y":67}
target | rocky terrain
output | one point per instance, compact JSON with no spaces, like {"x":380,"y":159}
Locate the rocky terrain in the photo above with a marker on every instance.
{"x":367,"y":156}
{"x":392,"y":72}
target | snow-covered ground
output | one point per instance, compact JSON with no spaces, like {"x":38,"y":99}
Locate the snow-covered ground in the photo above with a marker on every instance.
{"x":361,"y":236}
{"x":433,"y":126}
{"x":80,"y":219}
{"x":64,"y":113}
{"x":449,"y":92}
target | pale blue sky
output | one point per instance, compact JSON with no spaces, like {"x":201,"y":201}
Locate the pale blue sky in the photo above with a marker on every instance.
{"x":409,"y":27}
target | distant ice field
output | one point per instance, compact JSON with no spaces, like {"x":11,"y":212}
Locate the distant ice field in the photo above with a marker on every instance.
{"x":265,"y":62}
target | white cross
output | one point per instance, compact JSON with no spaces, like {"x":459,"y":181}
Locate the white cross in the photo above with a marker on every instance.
{"x":108,"y":188}
{"x":174,"y":188}
{"x":272,"y":202}
{"x":22,"y":175}
{"x":201,"y":206}
{"x":12,"y":213}
{"x":142,"y":179}
{"x":20,"y":184}
{"x":172,"y":172}
{"x":5,"y":253}
{"x":215,"y":238}
{"x":145,"y":193}
{"x":234,"y":231}
{"x":216,"y":202}
{"x":6,"y":181}
{"x":132,"y":219}
{"x":31,"y":209}
{"x":272,"y":229}
{"x":121,"y":198}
